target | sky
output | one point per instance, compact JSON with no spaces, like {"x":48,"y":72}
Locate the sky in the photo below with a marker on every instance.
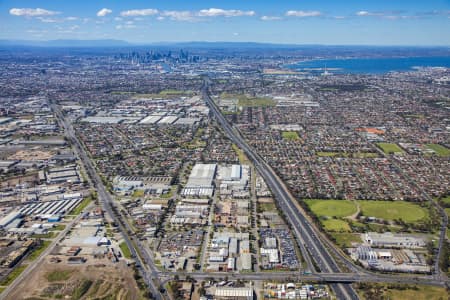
{"x":330,"y":22}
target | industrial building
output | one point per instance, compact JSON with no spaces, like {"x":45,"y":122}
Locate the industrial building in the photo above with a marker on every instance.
{"x":200,"y":182}
{"x":152,"y":119}
{"x":151,"y":185}
{"x":230,"y":293}
{"x":64,"y":174}
{"x":9,"y":218}
{"x":391,"y":240}
{"x":234,"y":181}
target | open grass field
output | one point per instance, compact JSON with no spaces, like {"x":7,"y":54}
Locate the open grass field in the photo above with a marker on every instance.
{"x":440,"y":150}
{"x":256,"y":102}
{"x":331,"y":208}
{"x":391,"y":210}
{"x":423,"y":292}
{"x":389,"y":148}
{"x":336,"y":225}
{"x":404,"y":292}
{"x":248,"y":101}
{"x":446,"y":200}
{"x":345,"y":240}
{"x":290,"y":135}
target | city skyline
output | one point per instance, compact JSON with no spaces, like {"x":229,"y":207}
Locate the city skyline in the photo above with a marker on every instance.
{"x":285,"y":22}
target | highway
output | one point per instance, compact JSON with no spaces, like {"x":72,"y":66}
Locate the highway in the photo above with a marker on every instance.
{"x":303,"y":230}
{"x":147,"y":270}
{"x":321,"y":277}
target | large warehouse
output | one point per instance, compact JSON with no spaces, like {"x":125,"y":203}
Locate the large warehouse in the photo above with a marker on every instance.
{"x":200,"y":182}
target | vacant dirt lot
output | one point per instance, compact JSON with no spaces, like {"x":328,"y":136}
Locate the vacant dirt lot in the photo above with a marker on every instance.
{"x":102,"y":280}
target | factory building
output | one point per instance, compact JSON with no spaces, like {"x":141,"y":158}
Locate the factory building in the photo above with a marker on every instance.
{"x":230,"y":293}
{"x":200,"y":182}
{"x":9,"y":218}
{"x":390,"y":240}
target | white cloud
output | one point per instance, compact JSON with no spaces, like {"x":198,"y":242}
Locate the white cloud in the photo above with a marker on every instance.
{"x":216,"y":12}
{"x":48,"y":20}
{"x":177,"y":15}
{"x":139,"y":12}
{"x":270,"y":18}
{"x":125,"y":26}
{"x":71,"y":18}
{"x":303,"y":13}
{"x":363,"y":13}
{"x":103,"y":12}
{"x":32,"y":12}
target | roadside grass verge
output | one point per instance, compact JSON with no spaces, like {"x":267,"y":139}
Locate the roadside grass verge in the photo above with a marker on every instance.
{"x":125,"y":250}
{"x":335,"y":225}
{"x":38,"y":250}
{"x":13,"y":275}
{"x":345,"y":240}
{"x":80,"y":207}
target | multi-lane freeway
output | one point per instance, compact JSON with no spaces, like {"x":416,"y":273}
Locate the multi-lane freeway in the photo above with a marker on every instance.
{"x":306,"y":236}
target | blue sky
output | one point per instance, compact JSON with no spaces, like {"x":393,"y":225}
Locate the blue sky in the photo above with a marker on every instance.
{"x":336,"y":22}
